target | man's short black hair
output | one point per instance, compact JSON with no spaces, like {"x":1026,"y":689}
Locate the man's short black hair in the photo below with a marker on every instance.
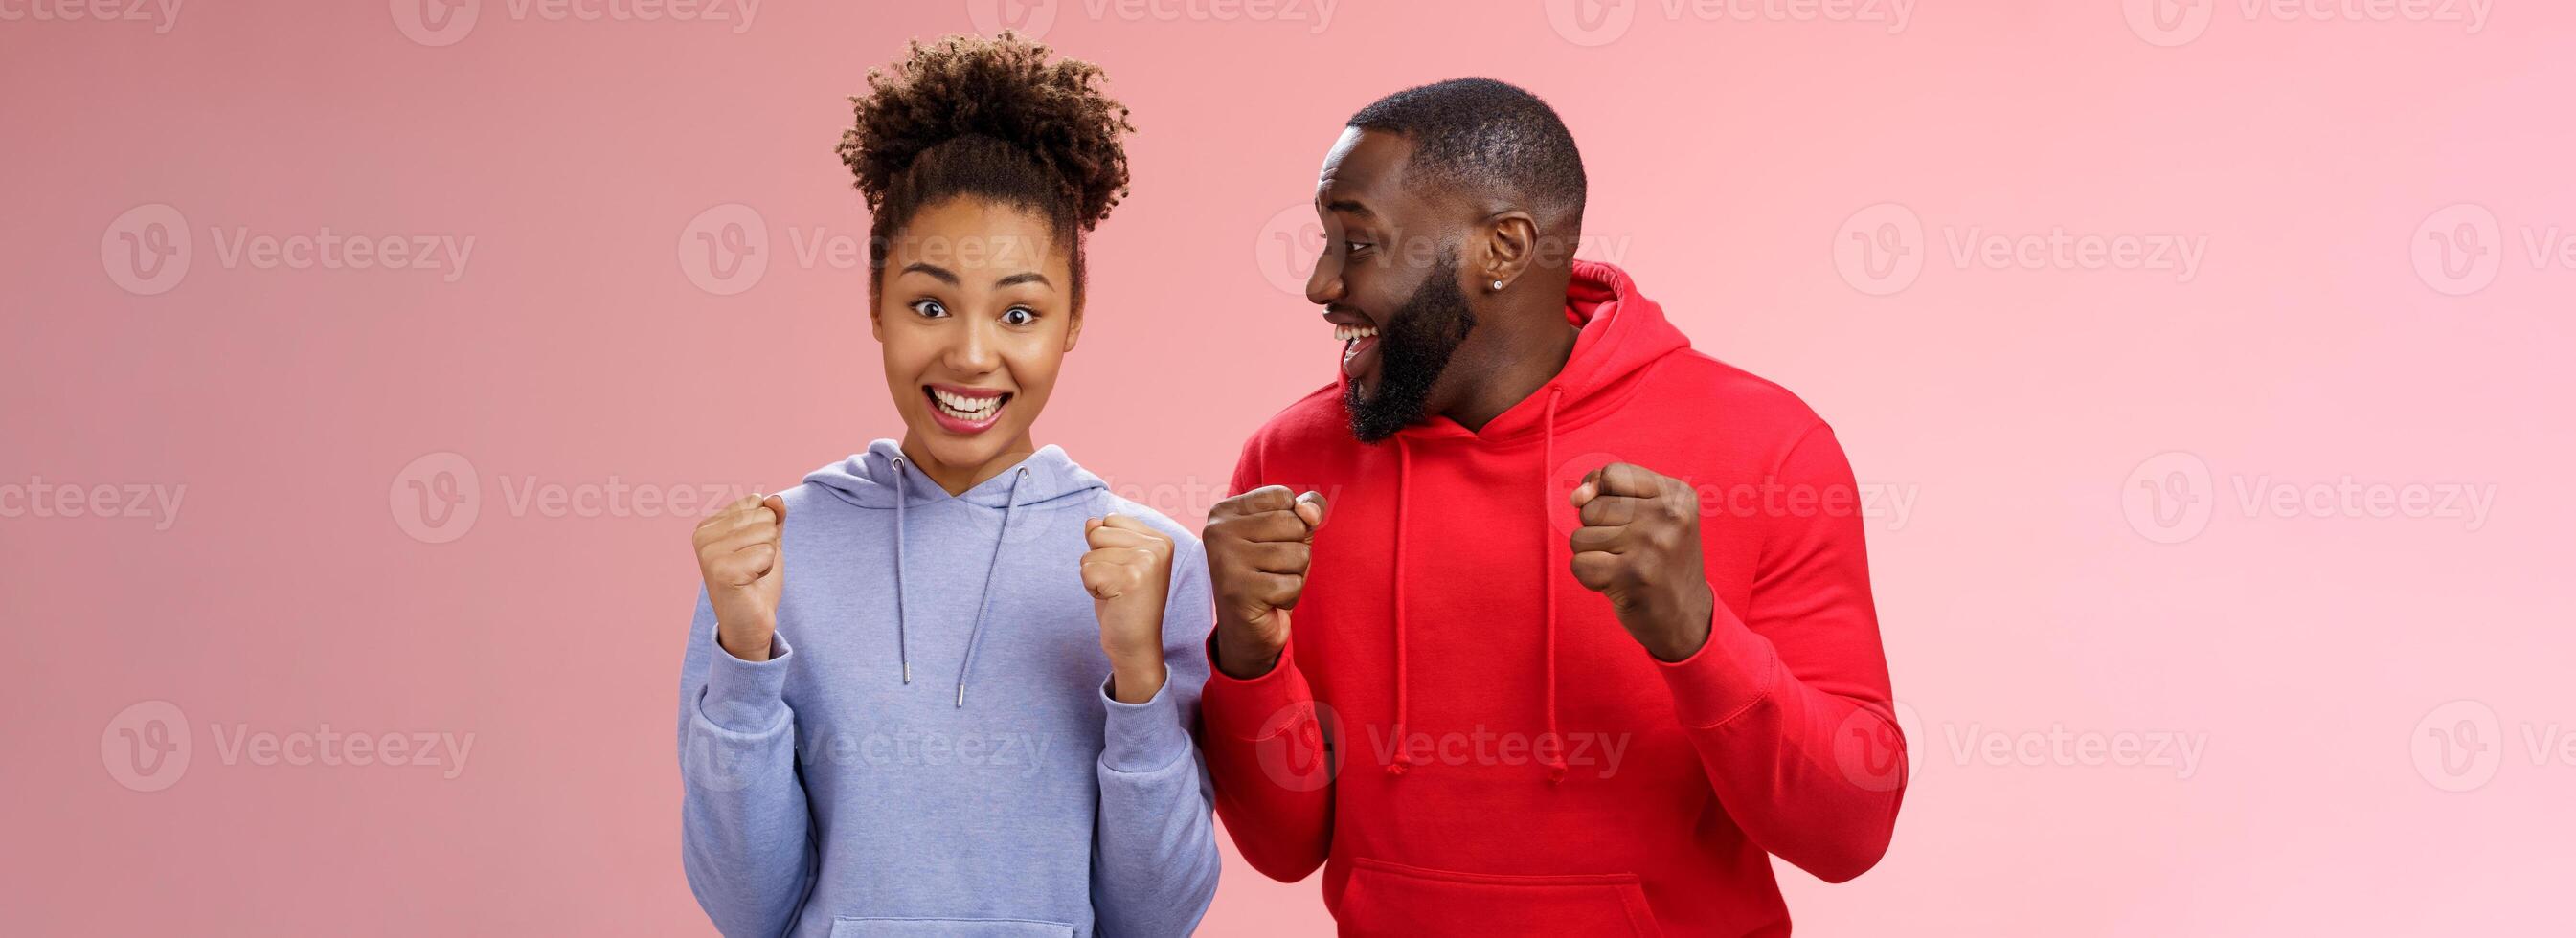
{"x":1478,"y":133}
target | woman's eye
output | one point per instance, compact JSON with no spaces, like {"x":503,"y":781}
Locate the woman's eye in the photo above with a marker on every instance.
{"x":929,"y":309}
{"x":1355,"y":246}
{"x":1018,"y":316}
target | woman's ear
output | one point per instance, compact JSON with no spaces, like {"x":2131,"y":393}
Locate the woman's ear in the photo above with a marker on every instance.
{"x":876,"y":318}
{"x":1073,"y":330}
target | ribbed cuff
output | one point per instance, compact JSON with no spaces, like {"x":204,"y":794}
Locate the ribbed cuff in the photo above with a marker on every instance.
{"x":747,"y":697}
{"x":1142,"y":737}
{"x":1726,"y":676}
{"x":1257,"y":708}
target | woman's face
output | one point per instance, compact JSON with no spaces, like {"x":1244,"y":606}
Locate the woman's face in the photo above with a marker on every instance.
{"x":975,"y":313}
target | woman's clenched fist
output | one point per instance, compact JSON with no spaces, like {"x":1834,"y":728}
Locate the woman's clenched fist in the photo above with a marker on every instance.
{"x":740,"y":557}
{"x":1128,"y":572}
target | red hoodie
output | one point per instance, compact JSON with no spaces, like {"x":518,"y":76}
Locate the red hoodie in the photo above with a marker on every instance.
{"x":1509,"y":761}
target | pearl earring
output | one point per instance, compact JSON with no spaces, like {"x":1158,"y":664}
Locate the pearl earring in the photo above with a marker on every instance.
{"x":1498,"y":284}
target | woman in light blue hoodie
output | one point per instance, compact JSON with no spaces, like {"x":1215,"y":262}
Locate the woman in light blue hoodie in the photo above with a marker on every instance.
{"x":968,"y":711}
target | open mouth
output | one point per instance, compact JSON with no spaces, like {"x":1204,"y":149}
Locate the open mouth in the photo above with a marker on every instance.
{"x":1359,"y":348}
{"x":965,"y":410}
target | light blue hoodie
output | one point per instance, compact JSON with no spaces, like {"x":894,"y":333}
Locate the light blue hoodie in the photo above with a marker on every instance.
{"x":929,"y":750}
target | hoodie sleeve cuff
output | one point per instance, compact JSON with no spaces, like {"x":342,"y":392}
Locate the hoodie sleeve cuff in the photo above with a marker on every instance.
{"x":1257,"y":708}
{"x":1725,"y":677}
{"x":1142,"y":737}
{"x":747,"y":697}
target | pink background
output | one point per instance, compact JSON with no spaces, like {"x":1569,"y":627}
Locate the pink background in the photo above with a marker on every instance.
{"x":2328,"y":330}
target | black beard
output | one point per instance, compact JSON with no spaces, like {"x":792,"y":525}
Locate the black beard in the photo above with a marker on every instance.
{"x":1413,"y":347}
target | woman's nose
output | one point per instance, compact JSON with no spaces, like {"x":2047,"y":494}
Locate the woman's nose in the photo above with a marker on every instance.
{"x":972,"y":352}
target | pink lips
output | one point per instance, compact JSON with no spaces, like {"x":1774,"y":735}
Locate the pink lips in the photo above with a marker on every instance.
{"x":951,"y":422}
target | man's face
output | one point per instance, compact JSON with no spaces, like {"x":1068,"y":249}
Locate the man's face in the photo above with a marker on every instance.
{"x":1388,"y":282}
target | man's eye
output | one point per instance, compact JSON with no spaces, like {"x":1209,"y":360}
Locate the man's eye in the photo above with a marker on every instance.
{"x":929,"y":309}
{"x":1018,"y":316}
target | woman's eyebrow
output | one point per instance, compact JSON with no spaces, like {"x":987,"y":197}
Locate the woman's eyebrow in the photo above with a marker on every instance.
{"x":944,"y":275}
{"x":1025,"y":276}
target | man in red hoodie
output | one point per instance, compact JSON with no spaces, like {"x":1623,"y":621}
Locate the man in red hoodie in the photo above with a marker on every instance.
{"x":1588,"y":633}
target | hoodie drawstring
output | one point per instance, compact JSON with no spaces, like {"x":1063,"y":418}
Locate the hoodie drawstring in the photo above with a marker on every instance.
{"x":902,"y":646}
{"x":1547,"y":490}
{"x":1403,"y":471}
{"x":1549,"y":568}
{"x":975,"y":636}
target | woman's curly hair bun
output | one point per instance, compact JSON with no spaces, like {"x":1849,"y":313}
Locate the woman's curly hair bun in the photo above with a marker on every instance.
{"x":989,"y":116}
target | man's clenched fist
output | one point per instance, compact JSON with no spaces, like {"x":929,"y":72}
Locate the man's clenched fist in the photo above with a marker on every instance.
{"x":1129,"y":573}
{"x":740,"y":557}
{"x":1639,"y":545}
{"x":1258,"y":544}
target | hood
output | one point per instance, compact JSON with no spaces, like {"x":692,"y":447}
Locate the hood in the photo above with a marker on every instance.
{"x":883,"y":477}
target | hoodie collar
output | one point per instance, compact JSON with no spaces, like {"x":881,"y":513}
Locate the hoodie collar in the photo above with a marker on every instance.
{"x":875,"y":479}
{"x":1622,"y":333}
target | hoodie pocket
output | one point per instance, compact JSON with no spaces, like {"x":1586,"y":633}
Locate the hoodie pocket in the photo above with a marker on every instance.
{"x":1385,"y":898}
{"x":948,"y":928}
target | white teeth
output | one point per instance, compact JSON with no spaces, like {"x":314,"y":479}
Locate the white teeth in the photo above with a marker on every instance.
{"x":1342,"y":333}
{"x":963,"y":407}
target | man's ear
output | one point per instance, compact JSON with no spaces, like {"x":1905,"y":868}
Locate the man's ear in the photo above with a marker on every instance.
{"x":1509,"y":244}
